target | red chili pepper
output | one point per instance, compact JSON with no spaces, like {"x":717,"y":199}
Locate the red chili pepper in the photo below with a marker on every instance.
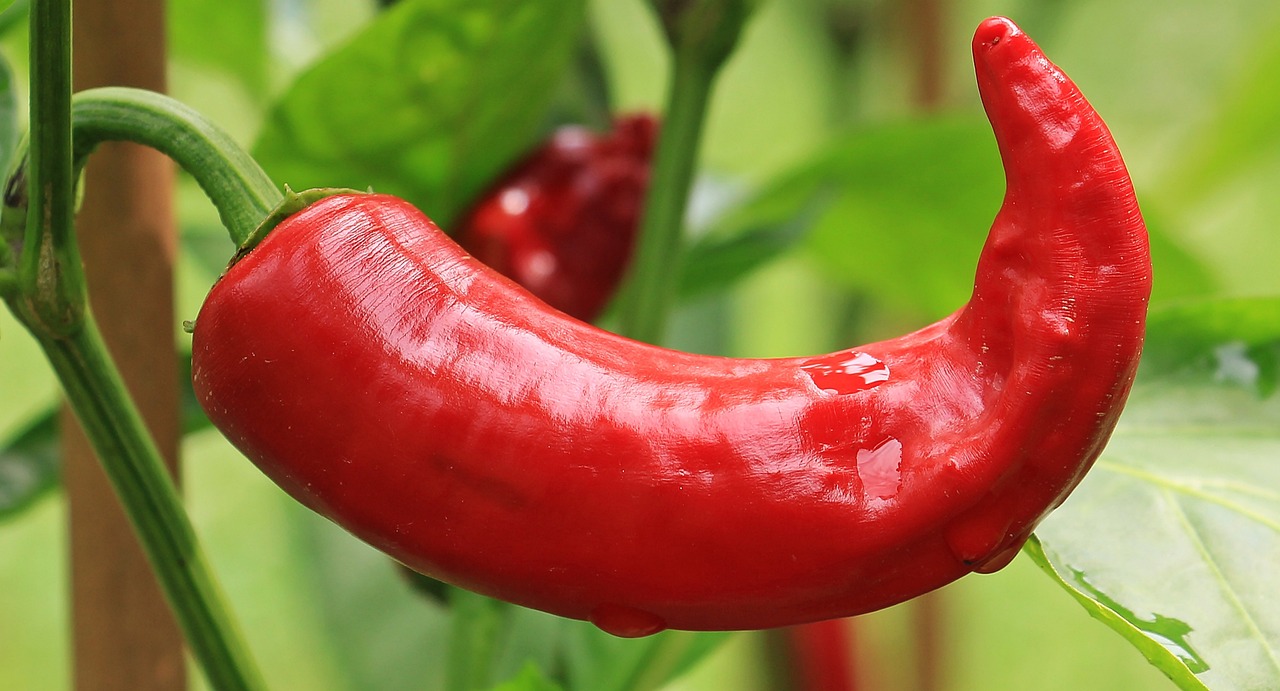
{"x":395,"y":384}
{"x":563,"y":222}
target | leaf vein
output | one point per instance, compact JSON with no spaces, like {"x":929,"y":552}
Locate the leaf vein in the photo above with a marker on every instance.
{"x":1195,"y":490}
{"x":1198,"y":542}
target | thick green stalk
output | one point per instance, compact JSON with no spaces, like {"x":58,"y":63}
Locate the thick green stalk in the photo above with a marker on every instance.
{"x":48,"y":295}
{"x":244,"y":196}
{"x":136,"y":470}
{"x":49,"y":275}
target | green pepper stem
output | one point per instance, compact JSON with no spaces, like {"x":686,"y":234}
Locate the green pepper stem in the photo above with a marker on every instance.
{"x":702,"y":35}
{"x":136,"y":470}
{"x":237,"y":186}
{"x":649,"y":292}
{"x":243,"y":194}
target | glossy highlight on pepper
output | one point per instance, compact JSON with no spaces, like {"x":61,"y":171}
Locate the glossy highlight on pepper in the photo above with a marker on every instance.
{"x":393,"y":383}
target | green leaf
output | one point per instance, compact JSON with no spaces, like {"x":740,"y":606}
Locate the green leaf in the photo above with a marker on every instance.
{"x":914,"y":197}
{"x":1216,"y":180}
{"x":1177,"y":272}
{"x":752,"y":236}
{"x":1173,"y":539}
{"x":28,"y":465}
{"x":531,"y":638}
{"x":380,"y":633}
{"x":1240,"y":135}
{"x":885,"y":209}
{"x":899,"y":211}
{"x":14,"y":15}
{"x":428,"y":102}
{"x":227,"y":35}
{"x":490,"y":641}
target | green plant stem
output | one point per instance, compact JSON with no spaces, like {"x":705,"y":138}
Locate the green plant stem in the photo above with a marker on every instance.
{"x":49,"y":297}
{"x":49,"y":275}
{"x":244,"y":196}
{"x":702,"y":35}
{"x":136,"y":470}
{"x":237,"y":186}
{"x":651,"y":287}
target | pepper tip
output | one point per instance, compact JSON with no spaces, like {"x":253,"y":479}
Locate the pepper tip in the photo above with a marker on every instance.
{"x":995,"y":30}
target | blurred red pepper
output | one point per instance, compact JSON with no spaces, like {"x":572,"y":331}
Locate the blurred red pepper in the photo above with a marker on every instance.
{"x":821,"y":656}
{"x":395,"y":384}
{"x":563,"y":222}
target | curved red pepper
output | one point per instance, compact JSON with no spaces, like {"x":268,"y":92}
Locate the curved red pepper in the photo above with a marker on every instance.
{"x":393,"y":383}
{"x":563,"y":222}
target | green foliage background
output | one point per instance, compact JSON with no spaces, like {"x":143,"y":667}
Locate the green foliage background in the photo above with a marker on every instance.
{"x":850,"y":216}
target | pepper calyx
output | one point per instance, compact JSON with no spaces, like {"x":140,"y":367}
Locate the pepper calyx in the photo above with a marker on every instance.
{"x":292,"y":203}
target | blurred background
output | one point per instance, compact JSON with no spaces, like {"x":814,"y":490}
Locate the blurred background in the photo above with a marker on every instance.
{"x":867,"y":107}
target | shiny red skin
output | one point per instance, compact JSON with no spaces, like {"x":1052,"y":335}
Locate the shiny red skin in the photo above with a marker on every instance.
{"x":563,"y":222}
{"x":398,"y":386}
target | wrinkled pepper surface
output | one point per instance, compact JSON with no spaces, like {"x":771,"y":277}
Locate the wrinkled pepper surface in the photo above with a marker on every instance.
{"x":396,"y":385}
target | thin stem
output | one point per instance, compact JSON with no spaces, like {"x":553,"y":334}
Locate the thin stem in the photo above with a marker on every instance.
{"x":237,"y":186}
{"x":50,"y":275}
{"x":136,"y":470}
{"x":702,"y":34}
{"x":650,"y":290}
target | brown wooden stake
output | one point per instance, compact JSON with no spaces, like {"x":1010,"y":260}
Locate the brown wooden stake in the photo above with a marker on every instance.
{"x":925,"y":21}
{"x":929,"y":620}
{"x":124,"y":634}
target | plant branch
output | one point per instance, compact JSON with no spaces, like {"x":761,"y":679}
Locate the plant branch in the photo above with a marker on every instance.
{"x":48,"y":295}
{"x":234,"y":182}
{"x":702,"y":34}
{"x":650,"y":290}
{"x":49,"y":274}
{"x":136,"y":470}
